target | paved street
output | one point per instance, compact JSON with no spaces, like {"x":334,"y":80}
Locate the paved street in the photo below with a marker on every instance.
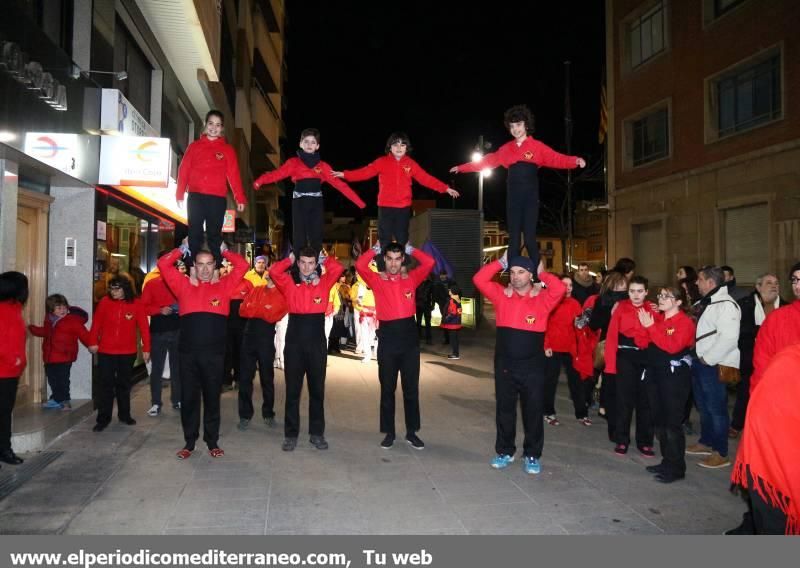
{"x":126,"y":480}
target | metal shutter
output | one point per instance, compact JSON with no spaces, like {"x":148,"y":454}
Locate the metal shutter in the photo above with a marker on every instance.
{"x":648,"y":252}
{"x":745,"y":237}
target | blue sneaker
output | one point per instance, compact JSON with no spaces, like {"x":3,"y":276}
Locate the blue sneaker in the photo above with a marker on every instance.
{"x":53,"y":404}
{"x":501,"y":461}
{"x":531,"y":465}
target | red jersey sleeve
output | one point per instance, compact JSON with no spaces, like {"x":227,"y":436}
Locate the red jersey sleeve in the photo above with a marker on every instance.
{"x":422,"y":271}
{"x":612,"y":343}
{"x":483,"y":280}
{"x":235,"y":177}
{"x":367,"y":172}
{"x":279,"y":276}
{"x":284,"y":171}
{"x":176,"y":281}
{"x":97,"y":321}
{"x":183,"y":173}
{"x":672,"y":335}
{"x":362,"y":266}
{"x":333,"y":269}
{"x":144,"y":326}
{"x":489,"y":161}
{"x":38,"y":331}
{"x":151,"y":307}
{"x":545,"y":156}
{"x":427,"y":179}
{"x":343,"y":188}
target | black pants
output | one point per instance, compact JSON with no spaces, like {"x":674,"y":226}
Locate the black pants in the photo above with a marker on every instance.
{"x":521,"y":381}
{"x":742,"y":398}
{"x":208,"y":209}
{"x":423,"y":314}
{"x":522,"y":215}
{"x":453,"y":333}
{"x":201,"y":381}
{"x":8,"y":396}
{"x":668,"y":389}
{"x":608,"y":400}
{"x":233,"y":345}
{"x":58,"y":379}
{"x":393,"y":222}
{"x":632,"y":395}
{"x":258,"y":349}
{"x":163,"y":343}
{"x":767,"y":518}
{"x":305,"y":355}
{"x":580,"y":391}
{"x":115,"y":382}
{"x":398,"y":353}
{"x":308,"y":219}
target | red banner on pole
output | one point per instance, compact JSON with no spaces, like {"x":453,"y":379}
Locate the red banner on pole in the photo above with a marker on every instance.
{"x":229,"y":224}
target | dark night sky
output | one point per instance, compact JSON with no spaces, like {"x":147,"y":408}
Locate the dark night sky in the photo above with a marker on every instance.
{"x":444,"y":72}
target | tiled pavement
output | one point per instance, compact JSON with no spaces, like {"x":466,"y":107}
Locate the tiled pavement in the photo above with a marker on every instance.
{"x":126,"y":480}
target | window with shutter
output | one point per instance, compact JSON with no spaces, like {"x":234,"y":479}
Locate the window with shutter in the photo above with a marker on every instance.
{"x":745,"y":237}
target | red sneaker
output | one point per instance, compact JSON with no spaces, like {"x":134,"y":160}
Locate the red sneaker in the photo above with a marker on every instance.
{"x":620,"y":449}
{"x":216,"y":453}
{"x":647,"y":451}
{"x":184,"y":454}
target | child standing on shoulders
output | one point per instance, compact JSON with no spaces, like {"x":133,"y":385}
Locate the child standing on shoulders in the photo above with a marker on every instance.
{"x":308,"y":172}
{"x":208,"y":166}
{"x":63,"y":327}
{"x":395,"y":171}
{"x":523,"y":156}
{"x":451,"y":320}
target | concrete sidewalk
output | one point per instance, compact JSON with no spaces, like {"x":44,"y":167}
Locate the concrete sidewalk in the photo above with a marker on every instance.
{"x":127,"y":480}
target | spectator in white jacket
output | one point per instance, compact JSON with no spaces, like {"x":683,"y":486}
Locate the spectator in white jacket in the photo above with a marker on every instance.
{"x":717,"y":344}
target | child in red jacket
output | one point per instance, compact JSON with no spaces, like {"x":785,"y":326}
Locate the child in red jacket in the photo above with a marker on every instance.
{"x":451,"y":319}
{"x":523,"y":156}
{"x":308,"y":172}
{"x":208,"y":166}
{"x":113,"y":337}
{"x":63,"y":326}
{"x":395,"y":171}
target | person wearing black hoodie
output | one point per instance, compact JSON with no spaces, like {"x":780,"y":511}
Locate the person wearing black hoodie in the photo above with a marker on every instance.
{"x":308,"y":172}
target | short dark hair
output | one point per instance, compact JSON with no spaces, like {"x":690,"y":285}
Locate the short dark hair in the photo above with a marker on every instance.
{"x":307,"y":252}
{"x":203,"y":251}
{"x":13,"y":286}
{"x":217,"y":113}
{"x":398,"y":137}
{"x":394,"y":247}
{"x":310,"y":132}
{"x":795,"y":267}
{"x":639,"y":279}
{"x":691,"y":273}
{"x":726,"y":268}
{"x":454,"y":289}
{"x":55,"y":300}
{"x":625,"y":265}
{"x":125,"y":284}
{"x":519,"y":113}
{"x":586,"y":264}
{"x":711,"y":272}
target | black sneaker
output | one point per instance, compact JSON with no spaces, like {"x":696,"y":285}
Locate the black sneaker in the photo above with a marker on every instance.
{"x":243,"y":424}
{"x":414,"y":441}
{"x":129,"y":421}
{"x":99,"y":427}
{"x":319,"y":442}
{"x":289,"y":444}
{"x":388,"y":441}
{"x":659,"y":468}
{"x":666,"y":477}
{"x":453,"y":356}
{"x":269,"y":421}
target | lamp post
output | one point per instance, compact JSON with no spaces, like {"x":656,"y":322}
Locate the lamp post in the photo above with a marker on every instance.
{"x":477,"y":156}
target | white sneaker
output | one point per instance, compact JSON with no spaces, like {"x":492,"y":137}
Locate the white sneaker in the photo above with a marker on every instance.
{"x":365,"y":360}
{"x":155,"y":410}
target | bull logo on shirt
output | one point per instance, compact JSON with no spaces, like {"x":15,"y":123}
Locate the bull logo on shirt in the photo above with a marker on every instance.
{"x":317,"y":300}
{"x":219,"y":156}
{"x":530,"y":320}
{"x":214,"y":302}
{"x":267,"y":306}
{"x":670,"y":330}
{"x":128,"y":316}
{"x":317,"y":170}
{"x":407,"y":294}
{"x":407,"y":169}
{"x":528,"y":155}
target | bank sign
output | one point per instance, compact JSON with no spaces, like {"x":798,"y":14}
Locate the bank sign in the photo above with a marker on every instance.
{"x":58,"y":150}
{"x":134,"y":160}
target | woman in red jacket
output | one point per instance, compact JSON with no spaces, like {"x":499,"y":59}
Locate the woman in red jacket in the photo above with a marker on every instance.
{"x":395,"y":171}
{"x":669,"y":377}
{"x":13,"y":295}
{"x":113,"y":336}
{"x":62,"y":328}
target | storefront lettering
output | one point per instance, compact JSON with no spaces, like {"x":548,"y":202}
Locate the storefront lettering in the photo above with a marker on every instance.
{"x":15,"y":62}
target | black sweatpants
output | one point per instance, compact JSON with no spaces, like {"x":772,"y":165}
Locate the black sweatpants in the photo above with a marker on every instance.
{"x":305,"y":355}
{"x":424,"y":315}
{"x":115,"y":382}
{"x":201,"y":381}
{"x":631,"y":395}
{"x":258,"y":349}
{"x":308,"y":219}
{"x":522,"y":216}
{"x":580,"y":391}
{"x":58,"y":379}
{"x":393,"y":222}
{"x":668,"y":390}
{"x":398,"y":353}
{"x":8,"y":396}
{"x":161,"y":344}
{"x":523,"y":381}
{"x":233,"y":344}
{"x":608,"y":400}
{"x":208,"y":209}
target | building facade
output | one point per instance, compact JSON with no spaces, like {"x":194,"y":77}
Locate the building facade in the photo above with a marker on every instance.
{"x":704,"y":136}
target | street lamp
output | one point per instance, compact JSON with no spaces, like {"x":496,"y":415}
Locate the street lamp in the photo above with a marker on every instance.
{"x":477,"y":156}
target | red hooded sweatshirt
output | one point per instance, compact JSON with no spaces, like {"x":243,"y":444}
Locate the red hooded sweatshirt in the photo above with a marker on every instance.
{"x":61,"y":336}
{"x":625,"y":321}
{"x":395,"y":298}
{"x":768,"y":456}
{"x":114,"y":326}
{"x":779,"y":330}
{"x":12,"y":340}
{"x":297,"y":170}
{"x":531,"y":151}
{"x":561,"y":335}
{"x":394,"y":179}
{"x":207,"y":167}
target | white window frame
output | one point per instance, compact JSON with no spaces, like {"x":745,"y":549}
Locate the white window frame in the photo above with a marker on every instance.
{"x":627,"y":25}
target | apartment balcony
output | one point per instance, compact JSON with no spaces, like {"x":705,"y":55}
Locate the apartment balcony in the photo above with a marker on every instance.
{"x":267,"y":60}
{"x":273,"y":11}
